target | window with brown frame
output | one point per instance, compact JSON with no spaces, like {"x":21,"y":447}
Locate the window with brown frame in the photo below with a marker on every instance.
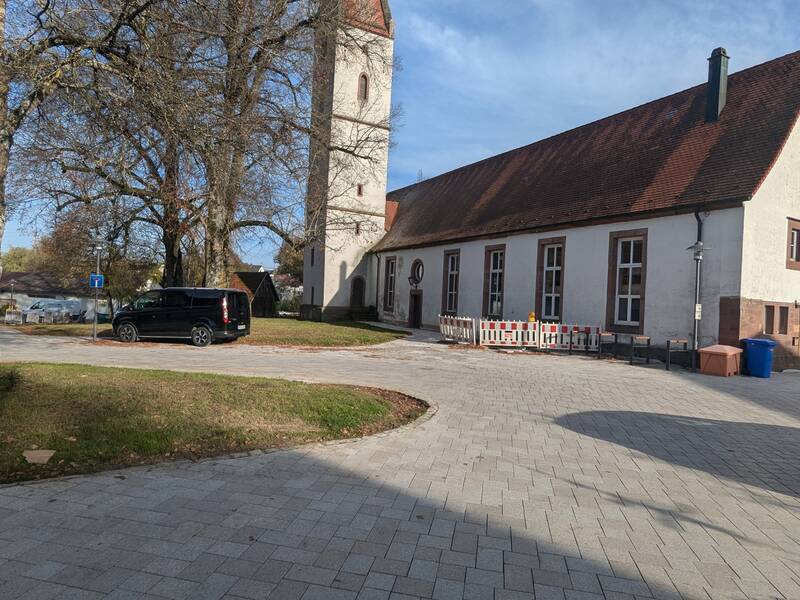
{"x":450,"y":280}
{"x":783,"y":320}
{"x":549,"y":300}
{"x":389,"y":281}
{"x":793,"y":253}
{"x":494,"y":281}
{"x":769,"y":319}
{"x":627,"y":271}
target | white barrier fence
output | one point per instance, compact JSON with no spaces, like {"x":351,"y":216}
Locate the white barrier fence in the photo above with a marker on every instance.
{"x":510,"y":334}
{"x":13,"y":317}
{"x":458,"y":329}
{"x":521,"y":334}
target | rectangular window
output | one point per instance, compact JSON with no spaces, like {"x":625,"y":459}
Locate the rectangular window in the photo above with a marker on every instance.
{"x":627,"y":271}
{"x":629,"y":281}
{"x":389,"y":284}
{"x":783,"y":320}
{"x":452,"y":269}
{"x":494,"y":267}
{"x":551,"y":282}
{"x":793,"y":244}
{"x":769,"y":320}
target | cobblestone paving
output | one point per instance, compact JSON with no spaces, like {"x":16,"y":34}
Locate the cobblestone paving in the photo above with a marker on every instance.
{"x":537,"y":477}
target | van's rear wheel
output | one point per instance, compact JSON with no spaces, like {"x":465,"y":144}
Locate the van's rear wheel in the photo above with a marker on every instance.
{"x":201,"y":336}
{"x":127,"y":333}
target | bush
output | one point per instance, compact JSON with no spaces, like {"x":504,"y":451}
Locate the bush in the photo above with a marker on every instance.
{"x":9,"y":378}
{"x":290,"y":305}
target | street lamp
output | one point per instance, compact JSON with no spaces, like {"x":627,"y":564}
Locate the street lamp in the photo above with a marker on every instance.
{"x":697,"y":250}
{"x":13,"y":282}
{"x":97,"y":248}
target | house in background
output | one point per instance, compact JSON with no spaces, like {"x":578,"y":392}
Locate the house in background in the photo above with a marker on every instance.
{"x":259,"y":289}
{"x":592,"y":226}
{"x":30,"y":287}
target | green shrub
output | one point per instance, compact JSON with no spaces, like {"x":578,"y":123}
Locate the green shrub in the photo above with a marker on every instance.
{"x":9,"y":378}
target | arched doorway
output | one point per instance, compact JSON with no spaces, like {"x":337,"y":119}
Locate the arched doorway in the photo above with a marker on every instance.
{"x":357,"y":292}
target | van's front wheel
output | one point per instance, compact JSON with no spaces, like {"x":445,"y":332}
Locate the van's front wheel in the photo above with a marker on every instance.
{"x":127,"y":333}
{"x":201,"y":336}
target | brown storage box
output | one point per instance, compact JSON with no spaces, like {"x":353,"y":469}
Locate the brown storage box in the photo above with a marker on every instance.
{"x":724,"y":361}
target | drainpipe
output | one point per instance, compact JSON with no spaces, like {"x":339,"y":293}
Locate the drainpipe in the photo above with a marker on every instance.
{"x":698,"y":262}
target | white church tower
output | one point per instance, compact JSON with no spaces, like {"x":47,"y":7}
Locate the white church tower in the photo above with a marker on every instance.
{"x":346,"y":198}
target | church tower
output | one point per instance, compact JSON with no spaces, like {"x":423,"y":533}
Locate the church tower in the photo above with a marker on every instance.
{"x":346,"y":197}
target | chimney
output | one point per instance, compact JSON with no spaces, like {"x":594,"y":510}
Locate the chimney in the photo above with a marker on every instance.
{"x":717,"y":92}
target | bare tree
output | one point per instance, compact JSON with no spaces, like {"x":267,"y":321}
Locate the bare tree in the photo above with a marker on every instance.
{"x":41,"y":45}
{"x":199,"y":115}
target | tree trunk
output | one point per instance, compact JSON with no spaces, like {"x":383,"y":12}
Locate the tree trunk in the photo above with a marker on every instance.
{"x":110,"y":305}
{"x":173,"y":259}
{"x":5,"y":133}
{"x":172,"y":232}
{"x":217,"y":243}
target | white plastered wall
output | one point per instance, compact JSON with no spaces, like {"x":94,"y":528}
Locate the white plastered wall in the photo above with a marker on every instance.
{"x":669,"y":299}
{"x":764,"y":272}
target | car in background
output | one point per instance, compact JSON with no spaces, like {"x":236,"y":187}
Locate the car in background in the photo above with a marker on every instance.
{"x":202,"y":315}
{"x":63,"y":310}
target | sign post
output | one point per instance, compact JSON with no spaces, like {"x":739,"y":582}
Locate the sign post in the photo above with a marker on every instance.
{"x":96,"y":282}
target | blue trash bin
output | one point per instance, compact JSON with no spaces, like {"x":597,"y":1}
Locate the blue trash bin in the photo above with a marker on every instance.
{"x":758,"y":356}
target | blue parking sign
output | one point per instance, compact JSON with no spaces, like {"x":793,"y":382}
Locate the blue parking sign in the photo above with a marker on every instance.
{"x":97,"y":280}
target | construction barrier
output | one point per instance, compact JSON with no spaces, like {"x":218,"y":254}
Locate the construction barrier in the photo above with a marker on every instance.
{"x":13,"y":317}
{"x":510,"y":334}
{"x":521,"y":334}
{"x":573,"y":338}
{"x":457,"y":329}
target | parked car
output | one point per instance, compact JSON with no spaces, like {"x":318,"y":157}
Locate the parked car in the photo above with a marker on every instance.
{"x":35,"y":312}
{"x":202,"y":315}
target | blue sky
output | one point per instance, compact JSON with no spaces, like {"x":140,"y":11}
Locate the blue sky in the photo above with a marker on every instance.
{"x":482,"y":76}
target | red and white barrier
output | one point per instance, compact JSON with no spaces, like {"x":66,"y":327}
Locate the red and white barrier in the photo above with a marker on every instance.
{"x":457,"y":329}
{"x":521,"y":334}
{"x":510,"y":334}
{"x":557,"y":336}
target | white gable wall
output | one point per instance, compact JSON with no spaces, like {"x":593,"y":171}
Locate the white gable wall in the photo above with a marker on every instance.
{"x":764,"y":272}
{"x":669,"y":300}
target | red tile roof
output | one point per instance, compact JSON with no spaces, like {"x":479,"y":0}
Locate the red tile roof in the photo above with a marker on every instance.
{"x":370,"y":15}
{"x":661,"y":156}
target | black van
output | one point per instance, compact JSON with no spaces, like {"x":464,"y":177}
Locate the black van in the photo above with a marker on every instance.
{"x":202,"y":315}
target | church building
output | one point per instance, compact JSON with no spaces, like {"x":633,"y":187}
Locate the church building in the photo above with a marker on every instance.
{"x":599,"y":225}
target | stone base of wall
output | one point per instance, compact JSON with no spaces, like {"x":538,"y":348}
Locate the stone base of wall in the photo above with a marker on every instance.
{"x":331,"y":314}
{"x":741,"y":318}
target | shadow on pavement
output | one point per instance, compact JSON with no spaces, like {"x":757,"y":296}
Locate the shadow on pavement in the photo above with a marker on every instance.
{"x":755,"y":454}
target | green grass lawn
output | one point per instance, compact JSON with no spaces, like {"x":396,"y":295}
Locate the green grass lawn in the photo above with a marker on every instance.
{"x":263,"y":332}
{"x":95,"y":418}
{"x":292,"y":332}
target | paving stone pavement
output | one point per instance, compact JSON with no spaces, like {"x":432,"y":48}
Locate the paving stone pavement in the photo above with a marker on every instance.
{"x":537,"y":477}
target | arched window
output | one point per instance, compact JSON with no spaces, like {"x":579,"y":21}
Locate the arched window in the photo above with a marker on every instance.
{"x":363,"y":88}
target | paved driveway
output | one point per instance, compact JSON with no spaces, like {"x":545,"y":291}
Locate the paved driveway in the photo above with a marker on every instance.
{"x":538,"y":476}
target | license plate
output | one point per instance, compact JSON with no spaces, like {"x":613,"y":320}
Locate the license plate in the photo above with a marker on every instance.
{"x":242,"y":327}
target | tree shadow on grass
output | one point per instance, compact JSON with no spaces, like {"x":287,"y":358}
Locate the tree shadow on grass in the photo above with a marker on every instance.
{"x":754,"y":454}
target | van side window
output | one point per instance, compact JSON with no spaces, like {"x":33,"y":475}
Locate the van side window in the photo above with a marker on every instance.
{"x":205,"y":299}
{"x":148,"y":300}
{"x":175,"y":300}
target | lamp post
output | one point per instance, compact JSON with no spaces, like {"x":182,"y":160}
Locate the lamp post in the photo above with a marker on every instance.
{"x":98,"y":248}
{"x":697,"y":249}
{"x":13,"y":282}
